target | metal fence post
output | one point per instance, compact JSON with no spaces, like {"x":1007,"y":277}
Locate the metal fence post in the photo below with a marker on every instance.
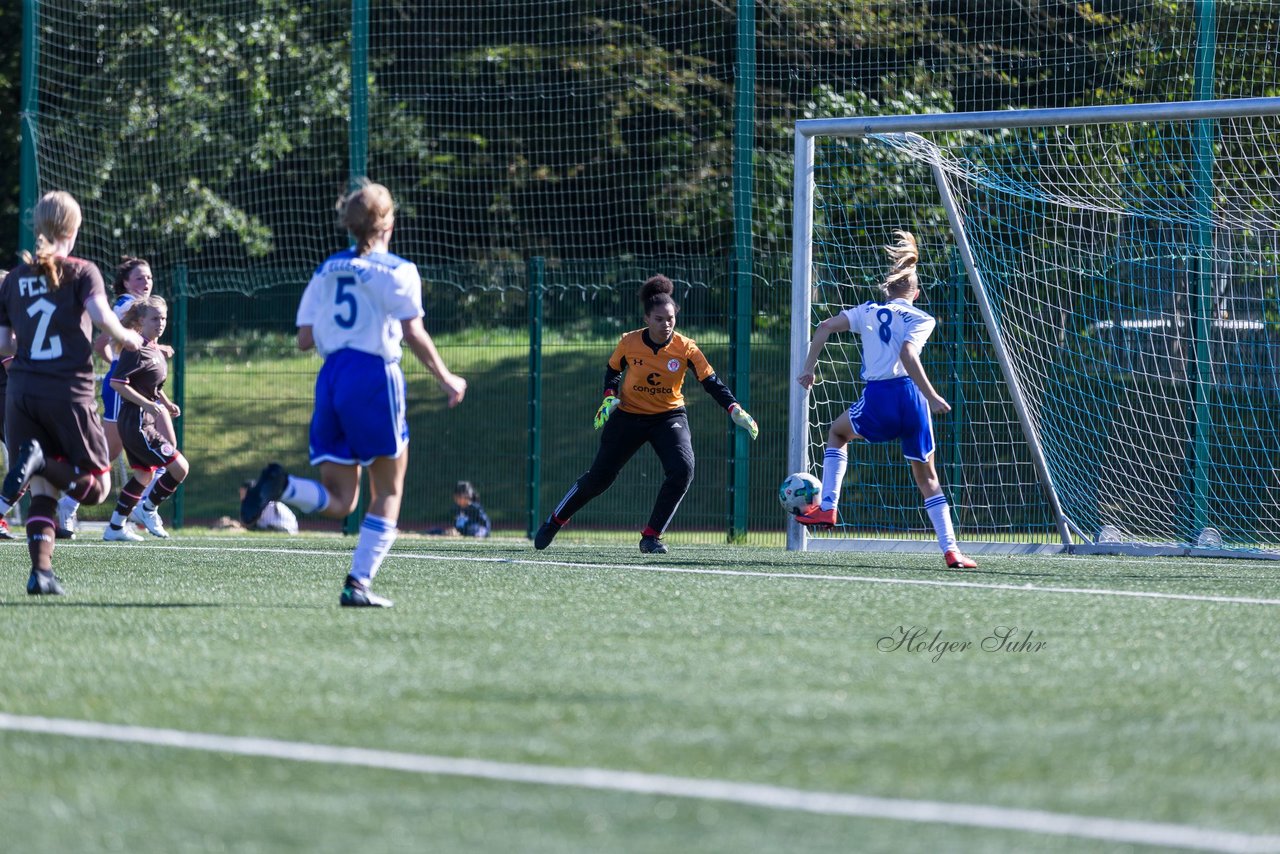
{"x":536,"y":281}
{"x":740,"y":328}
{"x":358,"y":166}
{"x":1201,"y":297}
{"x":358,"y":131}
{"x":956,"y":284}
{"x":29,"y":182}
{"x":180,"y":296}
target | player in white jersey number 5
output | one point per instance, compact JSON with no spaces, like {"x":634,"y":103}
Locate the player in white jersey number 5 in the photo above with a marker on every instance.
{"x":358,"y":307}
{"x":898,"y":398}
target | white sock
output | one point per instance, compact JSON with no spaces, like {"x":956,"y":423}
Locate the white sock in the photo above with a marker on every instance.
{"x":376,"y":536}
{"x":155,"y":478}
{"x":309,"y":496}
{"x":68,"y":505}
{"x":940,"y":515}
{"x":834,"y":462}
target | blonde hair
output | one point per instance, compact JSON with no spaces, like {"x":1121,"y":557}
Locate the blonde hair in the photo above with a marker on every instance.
{"x":56,"y":217}
{"x":367,"y":212}
{"x":903,"y":257}
{"x":133,"y":315}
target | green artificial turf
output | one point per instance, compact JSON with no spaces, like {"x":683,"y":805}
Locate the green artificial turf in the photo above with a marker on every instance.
{"x":726,"y":663}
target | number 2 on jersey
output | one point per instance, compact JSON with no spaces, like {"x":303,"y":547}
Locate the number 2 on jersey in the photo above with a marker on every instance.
{"x":347,"y":299}
{"x":885,"y":316}
{"x":43,"y":345}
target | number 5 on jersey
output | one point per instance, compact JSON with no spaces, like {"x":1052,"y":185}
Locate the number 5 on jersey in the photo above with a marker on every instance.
{"x":344,"y":298}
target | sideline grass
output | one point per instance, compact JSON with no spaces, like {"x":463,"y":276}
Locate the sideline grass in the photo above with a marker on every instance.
{"x":249,"y":401}
{"x":1136,"y":708}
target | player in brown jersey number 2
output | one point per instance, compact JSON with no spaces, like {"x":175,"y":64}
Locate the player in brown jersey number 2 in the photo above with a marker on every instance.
{"x":48,"y":306}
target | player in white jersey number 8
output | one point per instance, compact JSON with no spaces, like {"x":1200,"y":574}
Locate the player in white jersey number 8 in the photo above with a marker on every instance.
{"x":897,"y":401}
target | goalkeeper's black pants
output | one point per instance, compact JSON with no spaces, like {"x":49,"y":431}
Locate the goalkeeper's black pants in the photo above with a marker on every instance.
{"x":624,"y":434}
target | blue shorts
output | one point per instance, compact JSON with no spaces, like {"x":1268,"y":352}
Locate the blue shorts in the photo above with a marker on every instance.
{"x":895,"y":409}
{"x":110,"y":400}
{"x":359,"y":411}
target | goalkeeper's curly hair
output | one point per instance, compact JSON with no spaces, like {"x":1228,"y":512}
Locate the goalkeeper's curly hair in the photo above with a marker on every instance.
{"x":657,"y":291}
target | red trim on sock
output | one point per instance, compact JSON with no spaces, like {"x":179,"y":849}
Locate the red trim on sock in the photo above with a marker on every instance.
{"x":649,"y":532}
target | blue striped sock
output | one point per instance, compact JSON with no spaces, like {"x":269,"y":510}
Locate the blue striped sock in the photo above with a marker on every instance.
{"x":307,"y":495}
{"x":834,"y":463}
{"x":940,"y":514}
{"x":376,"y":536}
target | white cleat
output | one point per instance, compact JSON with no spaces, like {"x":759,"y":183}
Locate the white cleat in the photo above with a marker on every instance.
{"x":150,"y":520}
{"x":67,"y":520}
{"x":122,"y":535}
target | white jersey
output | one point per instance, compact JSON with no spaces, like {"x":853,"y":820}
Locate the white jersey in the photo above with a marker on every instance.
{"x":122,"y":304}
{"x":885,"y":327}
{"x":358,"y":301}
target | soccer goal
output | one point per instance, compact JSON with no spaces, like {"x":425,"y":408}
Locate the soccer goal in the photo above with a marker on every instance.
{"x":1107,"y":285}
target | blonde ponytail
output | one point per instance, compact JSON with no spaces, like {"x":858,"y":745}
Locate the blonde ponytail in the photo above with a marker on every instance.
{"x":56,"y":217}
{"x":903,"y":257}
{"x":367,"y":212}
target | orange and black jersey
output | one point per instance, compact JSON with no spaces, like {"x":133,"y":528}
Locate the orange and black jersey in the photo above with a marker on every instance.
{"x":654,"y":374}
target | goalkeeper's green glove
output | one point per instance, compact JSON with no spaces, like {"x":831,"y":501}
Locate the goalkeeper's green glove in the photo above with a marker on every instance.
{"x":609,"y":404}
{"x":744,"y":420}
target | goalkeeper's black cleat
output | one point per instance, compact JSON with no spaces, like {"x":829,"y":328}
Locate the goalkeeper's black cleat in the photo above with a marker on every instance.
{"x":28,"y":464}
{"x":267,"y":488}
{"x":42,"y":582}
{"x":652,"y":546}
{"x":356,"y":594}
{"x":546,"y":533}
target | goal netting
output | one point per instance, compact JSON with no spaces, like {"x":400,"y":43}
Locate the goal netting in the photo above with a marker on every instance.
{"x":1108,"y":292}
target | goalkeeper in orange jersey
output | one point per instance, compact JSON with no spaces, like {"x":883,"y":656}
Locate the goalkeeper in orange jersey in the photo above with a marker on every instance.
{"x":643,"y":403}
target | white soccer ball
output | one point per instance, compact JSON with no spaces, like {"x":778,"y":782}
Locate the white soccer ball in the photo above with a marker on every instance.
{"x":800,"y":493}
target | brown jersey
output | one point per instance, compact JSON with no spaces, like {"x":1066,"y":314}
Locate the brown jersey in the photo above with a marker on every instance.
{"x":143,"y":369}
{"x":655,"y":373}
{"x":54,"y":358}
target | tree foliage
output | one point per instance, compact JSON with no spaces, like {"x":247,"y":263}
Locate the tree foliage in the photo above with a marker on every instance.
{"x":200,"y":132}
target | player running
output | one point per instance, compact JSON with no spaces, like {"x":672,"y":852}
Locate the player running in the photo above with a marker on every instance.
{"x":650,"y":410}
{"x":138,"y":382}
{"x":360,"y":304}
{"x":52,"y":429}
{"x":133,"y":282}
{"x":898,"y":398}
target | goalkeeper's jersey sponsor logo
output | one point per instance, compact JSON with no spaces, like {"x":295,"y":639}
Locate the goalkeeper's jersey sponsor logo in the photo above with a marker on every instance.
{"x":655,"y":377}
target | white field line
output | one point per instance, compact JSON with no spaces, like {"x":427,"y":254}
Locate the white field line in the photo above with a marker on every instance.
{"x":682,"y":570}
{"x":603,"y":779}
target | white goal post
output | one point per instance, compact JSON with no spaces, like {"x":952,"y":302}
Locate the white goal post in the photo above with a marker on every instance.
{"x":1107,"y":284}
